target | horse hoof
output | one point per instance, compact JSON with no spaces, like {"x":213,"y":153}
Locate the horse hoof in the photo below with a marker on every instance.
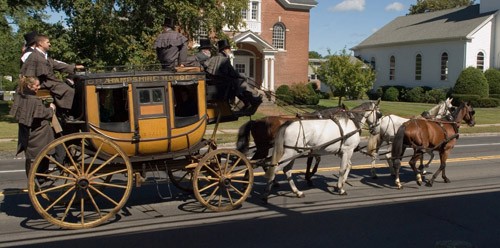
{"x":264,"y":200}
{"x":446,"y":180}
{"x":301,"y":194}
{"x":428,"y":184}
{"x":343,"y":192}
{"x":374,"y":177}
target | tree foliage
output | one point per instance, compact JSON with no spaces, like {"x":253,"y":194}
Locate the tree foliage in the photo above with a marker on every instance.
{"x":314,"y":55}
{"x":423,"y":6}
{"x":346,"y":77}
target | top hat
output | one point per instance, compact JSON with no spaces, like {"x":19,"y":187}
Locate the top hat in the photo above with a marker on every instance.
{"x":223,"y":44}
{"x":30,"y":38}
{"x":168,"y":22}
{"x":205,"y":44}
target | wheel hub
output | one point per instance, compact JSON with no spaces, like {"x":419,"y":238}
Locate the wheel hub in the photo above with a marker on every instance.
{"x":83,"y":183}
{"x":225,"y":182}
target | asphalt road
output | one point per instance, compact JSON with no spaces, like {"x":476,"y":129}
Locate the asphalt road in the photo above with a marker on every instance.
{"x":373,"y":214}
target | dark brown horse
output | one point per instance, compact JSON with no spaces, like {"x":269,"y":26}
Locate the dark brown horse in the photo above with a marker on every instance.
{"x":427,"y":135}
{"x":264,"y":131}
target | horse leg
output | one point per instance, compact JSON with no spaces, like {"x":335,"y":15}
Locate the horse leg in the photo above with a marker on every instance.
{"x":443,"y":156}
{"x":309,"y":174}
{"x":288,"y":172}
{"x":270,"y":175}
{"x":345,"y":167}
{"x":413,"y":162}
{"x":396,"y":163}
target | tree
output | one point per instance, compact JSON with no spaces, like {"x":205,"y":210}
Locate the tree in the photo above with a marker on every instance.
{"x":314,"y":55}
{"x":345,"y":77}
{"x":118,"y":32}
{"x":423,"y":6}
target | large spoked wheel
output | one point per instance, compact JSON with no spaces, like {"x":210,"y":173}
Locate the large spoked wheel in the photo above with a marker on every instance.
{"x":181,"y":178}
{"x":73,"y":189}
{"x":223,"y":180}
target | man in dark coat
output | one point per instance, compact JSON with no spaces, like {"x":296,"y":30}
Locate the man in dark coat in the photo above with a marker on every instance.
{"x":40,"y":65}
{"x":221,"y":68}
{"x":171,"y":47}
{"x":29,"y":45}
{"x":33,"y":117}
{"x":204,"y":53}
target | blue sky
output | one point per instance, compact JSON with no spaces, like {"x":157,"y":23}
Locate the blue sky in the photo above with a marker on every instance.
{"x":339,"y":24}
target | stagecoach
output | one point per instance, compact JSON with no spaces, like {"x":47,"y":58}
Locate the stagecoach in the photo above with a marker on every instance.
{"x":130,"y":123}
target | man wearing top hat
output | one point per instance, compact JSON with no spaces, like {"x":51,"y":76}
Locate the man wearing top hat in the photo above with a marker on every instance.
{"x":221,"y":68}
{"x":204,"y":53}
{"x":29,"y":45}
{"x":170,"y":46}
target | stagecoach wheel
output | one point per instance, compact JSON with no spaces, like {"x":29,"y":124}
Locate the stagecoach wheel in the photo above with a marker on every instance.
{"x":223,"y":180}
{"x":78,"y":192}
{"x":181,"y":178}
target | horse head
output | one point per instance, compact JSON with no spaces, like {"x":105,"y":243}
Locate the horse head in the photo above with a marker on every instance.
{"x":371,"y":114}
{"x":465,"y":112}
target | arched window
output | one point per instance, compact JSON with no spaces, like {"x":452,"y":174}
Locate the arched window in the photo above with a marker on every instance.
{"x":418,"y":67}
{"x":392,"y":68}
{"x":279,"y":36}
{"x":444,"y":66}
{"x":480,"y":61}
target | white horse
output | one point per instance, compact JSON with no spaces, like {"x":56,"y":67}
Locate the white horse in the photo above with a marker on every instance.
{"x":339,"y":135}
{"x":389,"y":125}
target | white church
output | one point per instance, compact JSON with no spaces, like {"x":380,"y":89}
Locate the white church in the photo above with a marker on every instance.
{"x":431,"y":49}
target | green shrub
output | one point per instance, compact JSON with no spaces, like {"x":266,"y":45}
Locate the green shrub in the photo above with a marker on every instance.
{"x":391,"y":94}
{"x":471,"y":82}
{"x":496,"y":96}
{"x":486,"y":103}
{"x":416,"y":94}
{"x":493,"y":78}
{"x":458,"y":98}
{"x":283,"y":93}
{"x":304,"y":94}
{"x":435,"y":95}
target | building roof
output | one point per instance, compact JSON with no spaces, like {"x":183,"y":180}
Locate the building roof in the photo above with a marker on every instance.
{"x":299,"y":4}
{"x":456,"y":23}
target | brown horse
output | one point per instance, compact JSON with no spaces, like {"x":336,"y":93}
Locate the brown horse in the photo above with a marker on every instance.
{"x":426,"y":135}
{"x":264,"y":131}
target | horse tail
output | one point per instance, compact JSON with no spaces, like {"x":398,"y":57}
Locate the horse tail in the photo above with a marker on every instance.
{"x":279,"y":144}
{"x":243,"y":141}
{"x":398,"y":143}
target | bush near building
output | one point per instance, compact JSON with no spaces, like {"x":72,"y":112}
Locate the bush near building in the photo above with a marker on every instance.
{"x":493,"y":78}
{"x":471,"y":81}
{"x":300,"y":94}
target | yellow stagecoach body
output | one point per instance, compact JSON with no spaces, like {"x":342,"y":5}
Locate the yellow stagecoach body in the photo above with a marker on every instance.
{"x":147,"y":113}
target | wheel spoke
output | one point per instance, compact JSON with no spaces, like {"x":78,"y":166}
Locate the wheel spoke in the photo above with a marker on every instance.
{"x":235,"y":189}
{"x":83,"y":157}
{"x":68,"y":207}
{"x":103,"y":195}
{"x":94,"y":158}
{"x":102,"y":165}
{"x":61,"y":166}
{"x":213,"y":194}
{"x":234,"y":165}
{"x":82,"y":212}
{"x":59,"y":199}
{"x":239,"y":173}
{"x":110,"y":185}
{"x":94,"y":203}
{"x":211,"y":170}
{"x":240,"y":181}
{"x":54,"y":188}
{"x":209,"y":186}
{"x":229,"y":196}
{"x":108,"y":174}
{"x":71,"y":158}
{"x":55,"y":176}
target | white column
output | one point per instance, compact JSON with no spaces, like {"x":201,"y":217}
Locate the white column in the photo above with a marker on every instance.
{"x":272,"y":75}
{"x":266,"y":74}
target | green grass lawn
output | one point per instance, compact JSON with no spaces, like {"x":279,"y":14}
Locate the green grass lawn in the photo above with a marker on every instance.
{"x":8,"y":128}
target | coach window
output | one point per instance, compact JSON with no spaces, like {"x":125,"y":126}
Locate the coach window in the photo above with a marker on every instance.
{"x":113,"y":109}
{"x":444,"y":66}
{"x":392,"y":68}
{"x":418,"y":67}
{"x":151,"y":101}
{"x":186,"y":109}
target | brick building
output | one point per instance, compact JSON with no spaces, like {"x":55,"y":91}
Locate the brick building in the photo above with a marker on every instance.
{"x":274,"y":50}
